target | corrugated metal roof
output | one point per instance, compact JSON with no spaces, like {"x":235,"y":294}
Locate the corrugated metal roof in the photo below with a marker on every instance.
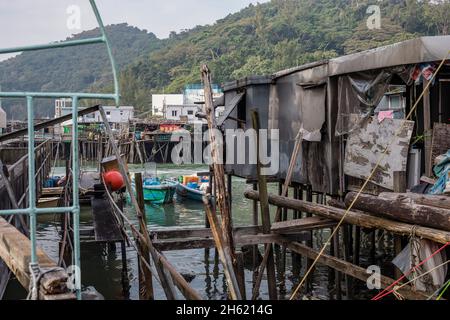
{"x":419,"y":50}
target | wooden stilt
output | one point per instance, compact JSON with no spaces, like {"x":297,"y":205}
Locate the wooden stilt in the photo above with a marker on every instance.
{"x":337,"y":274}
{"x":400,"y":186}
{"x":145,"y":275}
{"x":265,"y":218}
{"x":255,"y":223}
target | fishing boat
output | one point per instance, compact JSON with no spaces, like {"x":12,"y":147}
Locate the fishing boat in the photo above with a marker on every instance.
{"x":192,"y":187}
{"x":159,"y":191}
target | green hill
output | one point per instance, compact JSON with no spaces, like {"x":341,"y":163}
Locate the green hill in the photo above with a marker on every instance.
{"x":280,"y":34}
{"x":256,"y":40}
{"x":72,"y":69}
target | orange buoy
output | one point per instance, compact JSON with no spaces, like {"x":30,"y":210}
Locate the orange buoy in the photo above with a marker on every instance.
{"x":114,"y":180}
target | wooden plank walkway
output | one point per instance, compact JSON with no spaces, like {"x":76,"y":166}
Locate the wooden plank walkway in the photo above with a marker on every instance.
{"x":15,"y":251}
{"x":105,"y":224}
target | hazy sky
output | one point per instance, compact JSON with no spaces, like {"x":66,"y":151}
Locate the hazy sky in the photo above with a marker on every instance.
{"x":24,"y":22}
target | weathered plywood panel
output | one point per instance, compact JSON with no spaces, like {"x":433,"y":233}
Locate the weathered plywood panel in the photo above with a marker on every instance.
{"x":366,"y":145}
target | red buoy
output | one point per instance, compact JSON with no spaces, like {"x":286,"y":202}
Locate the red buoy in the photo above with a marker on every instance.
{"x":114,"y":180}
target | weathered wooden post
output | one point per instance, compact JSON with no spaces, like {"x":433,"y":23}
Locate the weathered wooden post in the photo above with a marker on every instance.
{"x":400,"y":183}
{"x":145,"y":275}
{"x":222,"y":196}
{"x":265,"y":218}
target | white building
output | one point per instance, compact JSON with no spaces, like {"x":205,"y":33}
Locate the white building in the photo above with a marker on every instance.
{"x":160,"y":101}
{"x":195,"y":93}
{"x":181,"y":112}
{"x":122,"y":114}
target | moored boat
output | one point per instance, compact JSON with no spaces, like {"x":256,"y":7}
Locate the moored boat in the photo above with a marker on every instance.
{"x":192,"y":188}
{"x":159,"y":192}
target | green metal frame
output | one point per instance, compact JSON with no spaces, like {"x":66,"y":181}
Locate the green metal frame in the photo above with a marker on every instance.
{"x":32,"y":210}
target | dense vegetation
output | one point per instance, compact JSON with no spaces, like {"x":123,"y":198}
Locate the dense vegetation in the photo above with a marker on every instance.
{"x":257,"y":40}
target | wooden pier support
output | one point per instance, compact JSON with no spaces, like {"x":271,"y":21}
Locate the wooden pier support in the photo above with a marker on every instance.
{"x":268,"y":260}
{"x":348,"y":268}
{"x":145,"y":275}
{"x":356,"y":218}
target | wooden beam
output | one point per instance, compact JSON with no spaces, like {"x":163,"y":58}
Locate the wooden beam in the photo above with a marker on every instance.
{"x":402,"y":209}
{"x":437,"y":201}
{"x":195,"y":232}
{"x":202,"y":243}
{"x":299,"y":225}
{"x":348,"y":268}
{"x":46,"y":124}
{"x":355,"y":218}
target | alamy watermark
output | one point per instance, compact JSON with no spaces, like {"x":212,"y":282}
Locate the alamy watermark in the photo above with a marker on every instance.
{"x":374,"y":20}
{"x":374,"y":280}
{"x":73,"y":21}
{"x":235,"y":147}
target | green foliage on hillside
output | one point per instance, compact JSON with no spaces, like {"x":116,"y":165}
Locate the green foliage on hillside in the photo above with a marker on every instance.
{"x":259,"y":39}
{"x":280,"y":34}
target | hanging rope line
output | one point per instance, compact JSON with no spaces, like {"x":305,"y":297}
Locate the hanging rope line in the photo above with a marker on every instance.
{"x":363,"y":187}
{"x":396,"y":288}
{"x":443,"y":291}
{"x":383,"y":293}
{"x":443,"y":288}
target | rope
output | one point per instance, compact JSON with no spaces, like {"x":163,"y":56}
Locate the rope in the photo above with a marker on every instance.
{"x":396,"y":288}
{"x":382,"y":294}
{"x":443,"y":291}
{"x":445,"y":286}
{"x":383,"y":155}
{"x":135,"y":232}
{"x":36,"y":274}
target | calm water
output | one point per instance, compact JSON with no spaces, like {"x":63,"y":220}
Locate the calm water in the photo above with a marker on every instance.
{"x":102,"y":265}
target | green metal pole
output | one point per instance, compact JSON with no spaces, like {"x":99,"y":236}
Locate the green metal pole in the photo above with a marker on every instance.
{"x":108,"y":48}
{"x":31,"y":180}
{"x":75,"y":197}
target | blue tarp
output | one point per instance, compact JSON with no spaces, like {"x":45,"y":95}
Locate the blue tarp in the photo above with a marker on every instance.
{"x":441,"y":170}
